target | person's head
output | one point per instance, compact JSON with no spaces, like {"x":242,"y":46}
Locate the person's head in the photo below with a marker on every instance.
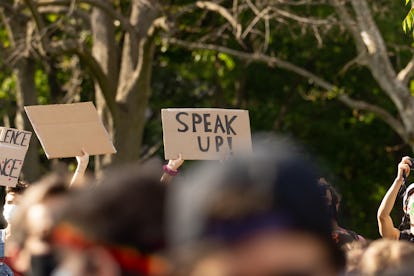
{"x":408,"y":200}
{"x":114,"y":228}
{"x":354,"y":252}
{"x":201,"y":259}
{"x":386,"y":258}
{"x":332,"y":198}
{"x":13,"y":195}
{"x":267,"y":210}
{"x":408,"y":208}
{"x":32,"y":224}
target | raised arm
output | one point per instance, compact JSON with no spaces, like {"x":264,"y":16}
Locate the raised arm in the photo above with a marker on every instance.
{"x":385,"y":224}
{"x":83,"y":162}
{"x":171,"y":169}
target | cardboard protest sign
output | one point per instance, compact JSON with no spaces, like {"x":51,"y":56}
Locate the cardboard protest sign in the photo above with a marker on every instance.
{"x":65,"y":129}
{"x":205,"y":133}
{"x":13,"y":147}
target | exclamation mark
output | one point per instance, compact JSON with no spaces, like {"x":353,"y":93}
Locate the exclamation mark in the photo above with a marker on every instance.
{"x":230,"y":142}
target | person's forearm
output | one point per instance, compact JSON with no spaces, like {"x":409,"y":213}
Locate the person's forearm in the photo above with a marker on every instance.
{"x":388,"y":201}
{"x":83,"y":162}
{"x":166,"y":178}
{"x":171,"y":169}
{"x":78,"y":176}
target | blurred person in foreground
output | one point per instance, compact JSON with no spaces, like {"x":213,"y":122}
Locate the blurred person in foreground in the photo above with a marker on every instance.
{"x":11,"y":202}
{"x":385,"y":224}
{"x":14,"y":194}
{"x":386,"y":258}
{"x":28,"y":248}
{"x":341,"y":236}
{"x":114,"y":228}
{"x":354,"y":252}
{"x":30,"y":245}
{"x":265,"y":213}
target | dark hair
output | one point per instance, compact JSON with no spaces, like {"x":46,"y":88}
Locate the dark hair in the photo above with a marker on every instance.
{"x":405,"y":221}
{"x":275,"y":187}
{"x":335,"y":197}
{"x":241,"y":199}
{"x":126,"y":208}
{"x":20,"y":187}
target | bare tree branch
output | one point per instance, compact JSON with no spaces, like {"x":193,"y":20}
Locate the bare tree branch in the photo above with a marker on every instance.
{"x":86,"y":57}
{"x":273,"y":61}
{"x":301,"y":19}
{"x":394,"y":123}
{"x":350,"y":23}
{"x":253,"y":7}
{"x":369,"y":42}
{"x":40,"y":26}
{"x":73,"y":85}
{"x":6,"y":6}
{"x":224,"y":13}
{"x":65,"y":10}
{"x":123,"y":21}
{"x":407,"y":72}
{"x":257,"y":57}
{"x":255,"y":20}
{"x":301,"y":2}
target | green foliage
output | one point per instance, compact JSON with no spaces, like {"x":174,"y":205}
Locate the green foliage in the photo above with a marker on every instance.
{"x":357,"y":151}
{"x":42,"y":86}
{"x":408,"y":21}
{"x":7,"y":87}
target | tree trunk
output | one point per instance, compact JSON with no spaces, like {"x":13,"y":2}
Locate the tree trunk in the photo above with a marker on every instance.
{"x":130,"y":118}
{"x":26,"y":94}
{"x":24,"y":69}
{"x":134,"y":82}
{"x":104,"y":50}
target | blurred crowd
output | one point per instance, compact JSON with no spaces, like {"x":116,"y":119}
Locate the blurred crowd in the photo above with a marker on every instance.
{"x":270,"y":213}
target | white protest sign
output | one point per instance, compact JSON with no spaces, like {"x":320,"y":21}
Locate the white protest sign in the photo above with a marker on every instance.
{"x":13,"y":147}
{"x":205,"y":133}
{"x":65,"y":129}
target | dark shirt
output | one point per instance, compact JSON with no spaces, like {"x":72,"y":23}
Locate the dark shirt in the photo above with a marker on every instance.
{"x":406,"y":235}
{"x":342,"y":236}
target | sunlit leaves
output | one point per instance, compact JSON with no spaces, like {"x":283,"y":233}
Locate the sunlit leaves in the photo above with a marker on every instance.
{"x":42,"y":86}
{"x":228,"y":60}
{"x":7,"y":87}
{"x":408,"y":21}
{"x":4,"y":39}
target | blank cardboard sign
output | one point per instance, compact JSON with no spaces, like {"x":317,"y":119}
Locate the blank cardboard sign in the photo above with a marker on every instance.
{"x":205,"y":133}
{"x":65,"y":129}
{"x":13,"y":147}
